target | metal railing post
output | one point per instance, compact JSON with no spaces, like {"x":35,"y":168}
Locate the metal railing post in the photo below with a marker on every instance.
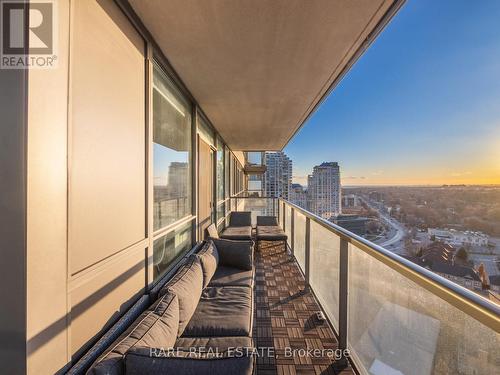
{"x":343,"y":294}
{"x":307,"y":270}
{"x":292,"y":230}
{"x":284,"y":216}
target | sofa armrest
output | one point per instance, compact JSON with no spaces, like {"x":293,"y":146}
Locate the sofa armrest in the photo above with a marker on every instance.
{"x":144,"y":361}
{"x":238,"y":254}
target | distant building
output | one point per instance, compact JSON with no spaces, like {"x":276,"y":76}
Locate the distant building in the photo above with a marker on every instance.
{"x":353,"y":223}
{"x":278,"y":176}
{"x":440,"y":257}
{"x":458,"y":238}
{"x":298,"y":195}
{"x":324,"y":190}
{"x":465,"y":276}
{"x":438,"y":252}
{"x":309,"y":193}
{"x":350,"y":200}
{"x":177,"y":177}
{"x":495,"y":283}
{"x":440,"y":263}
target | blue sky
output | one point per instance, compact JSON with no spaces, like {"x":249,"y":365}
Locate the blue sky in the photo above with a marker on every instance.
{"x":421,"y":106}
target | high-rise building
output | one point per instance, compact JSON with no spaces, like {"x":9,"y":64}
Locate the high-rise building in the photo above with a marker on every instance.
{"x":278,"y":176}
{"x":298,"y":195}
{"x":324,"y":190}
{"x":350,"y":200}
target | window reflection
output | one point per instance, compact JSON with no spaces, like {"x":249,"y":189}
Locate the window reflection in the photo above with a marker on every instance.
{"x":171,"y":153}
{"x":169,"y":247}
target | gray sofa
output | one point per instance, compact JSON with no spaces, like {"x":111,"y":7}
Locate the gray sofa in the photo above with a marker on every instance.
{"x":200,"y":322}
{"x":240,"y":226}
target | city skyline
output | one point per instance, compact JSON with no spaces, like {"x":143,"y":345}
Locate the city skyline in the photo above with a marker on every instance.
{"x":420,"y":107}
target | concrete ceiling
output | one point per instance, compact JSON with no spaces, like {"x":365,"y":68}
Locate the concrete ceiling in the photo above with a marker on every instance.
{"x":259,"y":68}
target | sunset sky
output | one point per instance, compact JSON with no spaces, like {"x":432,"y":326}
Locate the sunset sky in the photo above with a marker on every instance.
{"x":421,"y":106}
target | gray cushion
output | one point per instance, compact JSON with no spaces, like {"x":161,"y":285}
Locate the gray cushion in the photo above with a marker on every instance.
{"x":205,"y":355}
{"x":237,"y":254}
{"x":222,"y":343}
{"x":209,"y":258}
{"x":237,"y":233}
{"x":212,"y":231}
{"x":110,"y":336}
{"x":157,"y":326}
{"x":270,"y":233}
{"x":222,"y":311}
{"x":240,"y":219}
{"x":187,"y":285}
{"x":267,"y":220}
{"x":230,"y":276}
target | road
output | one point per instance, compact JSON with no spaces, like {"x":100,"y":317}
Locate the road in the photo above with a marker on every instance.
{"x":400,"y":231}
{"x":395,"y":243}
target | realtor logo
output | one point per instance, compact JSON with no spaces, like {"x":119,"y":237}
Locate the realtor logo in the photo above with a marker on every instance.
{"x":28,"y":34}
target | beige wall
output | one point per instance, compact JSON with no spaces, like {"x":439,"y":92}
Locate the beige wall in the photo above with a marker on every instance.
{"x":46,"y":204}
{"x":107,"y":179}
{"x":240,"y":155}
{"x":98,"y":298}
{"x":86,"y":198}
{"x":107,"y":135}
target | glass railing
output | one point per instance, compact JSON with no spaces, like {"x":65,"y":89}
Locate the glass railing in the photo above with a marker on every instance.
{"x":394,"y":316}
{"x":257,"y":205}
{"x":251,"y":194}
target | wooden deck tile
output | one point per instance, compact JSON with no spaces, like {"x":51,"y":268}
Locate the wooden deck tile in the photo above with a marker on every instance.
{"x":285,"y":319}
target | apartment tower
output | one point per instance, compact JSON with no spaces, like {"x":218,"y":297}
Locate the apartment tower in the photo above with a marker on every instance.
{"x":324,"y":190}
{"x":278,"y":176}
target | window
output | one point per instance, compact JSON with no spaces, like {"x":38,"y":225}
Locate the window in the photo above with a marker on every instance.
{"x":171,"y":152}
{"x":220,"y":180}
{"x":220,"y":170}
{"x":254,"y":158}
{"x":205,"y":132}
{"x":227,"y":175}
{"x":169,"y":247}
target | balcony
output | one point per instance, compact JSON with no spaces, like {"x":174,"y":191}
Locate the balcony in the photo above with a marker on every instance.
{"x":119,"y":159}
{"x":393,"y":316}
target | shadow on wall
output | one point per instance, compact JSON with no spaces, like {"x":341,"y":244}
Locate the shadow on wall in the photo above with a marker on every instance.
{"x":59,"y":326}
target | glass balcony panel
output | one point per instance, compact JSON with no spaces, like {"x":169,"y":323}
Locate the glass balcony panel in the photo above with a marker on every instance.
{"x":299,"y":241}
{"x":288,"y":223}
{"x":324,"y":279}
{"x":396,"y":326}
{"x":257,"y":206}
